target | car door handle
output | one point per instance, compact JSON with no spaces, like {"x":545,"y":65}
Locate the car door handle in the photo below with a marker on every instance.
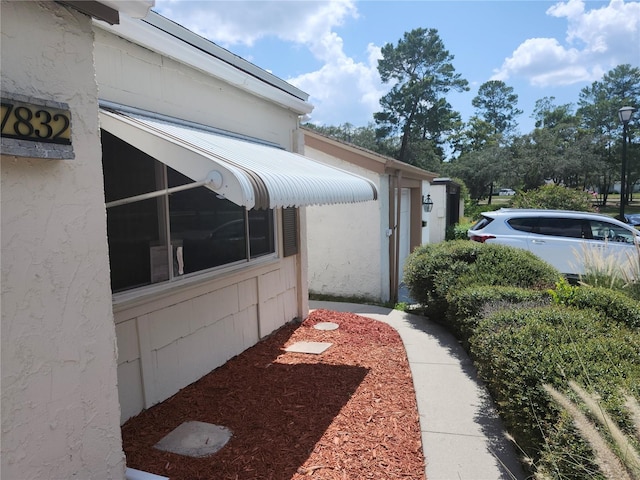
{"x":537,"y":242}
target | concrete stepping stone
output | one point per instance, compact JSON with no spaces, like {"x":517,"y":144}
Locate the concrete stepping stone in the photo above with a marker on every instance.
{"x":326,"y":326}
{"x":195,"y":439}
{"x":315,"y":348}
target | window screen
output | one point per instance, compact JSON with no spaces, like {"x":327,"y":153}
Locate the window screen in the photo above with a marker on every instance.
{"x":162,"y":238}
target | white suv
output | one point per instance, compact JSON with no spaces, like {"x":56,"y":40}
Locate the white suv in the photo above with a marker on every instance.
{"x":565,"y":239}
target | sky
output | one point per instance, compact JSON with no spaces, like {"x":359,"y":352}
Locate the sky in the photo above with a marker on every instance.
{"x":330,"y":49}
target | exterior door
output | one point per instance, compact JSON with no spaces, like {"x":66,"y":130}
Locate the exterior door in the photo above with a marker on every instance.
{"x":404,"y":230}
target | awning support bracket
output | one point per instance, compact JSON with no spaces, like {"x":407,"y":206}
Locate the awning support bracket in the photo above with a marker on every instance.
{"x":213,"y":181}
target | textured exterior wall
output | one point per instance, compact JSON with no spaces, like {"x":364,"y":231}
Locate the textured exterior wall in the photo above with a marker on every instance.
{"x":438,"y":216}
{"x":426,"y":217}
{"x":166,"y":344}
{"x":135,"y":76}
{"x":173,"y":337}
{"x":347,"y":246}
{"x":60,"y":412}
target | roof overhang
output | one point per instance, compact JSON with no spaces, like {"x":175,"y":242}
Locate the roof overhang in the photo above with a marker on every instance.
{"x":167,"y":38}
{"x":131,"y":8}
{"x":248,"y":172}
{"x":109,"y":10}
{"x":362,"y":157}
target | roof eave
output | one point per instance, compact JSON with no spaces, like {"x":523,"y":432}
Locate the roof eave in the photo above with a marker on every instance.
{"x":169,"y":39}
{"x":388,"y":164}
{"x":132,"y":8}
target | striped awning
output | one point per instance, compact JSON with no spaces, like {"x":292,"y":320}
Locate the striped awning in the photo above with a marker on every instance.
{"x":247,"y":172}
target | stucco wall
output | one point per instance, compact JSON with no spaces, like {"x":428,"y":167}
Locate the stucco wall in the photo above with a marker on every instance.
{"x":438,"y":216}
{"x":347,"y":247}
{"x":426,"y":216}
{"x":135,"y":76}
{"x":174,"y":336}
{"x":60,"y":411}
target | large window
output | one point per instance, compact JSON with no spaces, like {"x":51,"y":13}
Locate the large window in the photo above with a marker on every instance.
{"x":161,"y":238}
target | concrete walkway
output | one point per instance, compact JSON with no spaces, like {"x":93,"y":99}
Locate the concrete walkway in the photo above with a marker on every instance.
{"x":462,"y":436}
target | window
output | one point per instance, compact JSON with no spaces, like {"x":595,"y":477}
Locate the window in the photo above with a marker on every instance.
{"x":158,"y":239}
{"x":483,"y":222}
{"x":526,"y":224}
{"x":563,"y":227}
{"x":613,"y":233}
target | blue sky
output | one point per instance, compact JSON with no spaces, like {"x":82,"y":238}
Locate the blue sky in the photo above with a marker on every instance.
{"x":330,"y":49}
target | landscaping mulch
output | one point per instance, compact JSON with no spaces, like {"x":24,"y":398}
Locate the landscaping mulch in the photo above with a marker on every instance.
{"x":348,"y":413}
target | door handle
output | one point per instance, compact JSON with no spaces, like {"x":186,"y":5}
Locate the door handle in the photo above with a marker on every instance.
{"x":537,"y":242}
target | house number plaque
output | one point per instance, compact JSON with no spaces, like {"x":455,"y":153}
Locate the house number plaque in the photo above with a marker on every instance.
{"x":36,"y":123}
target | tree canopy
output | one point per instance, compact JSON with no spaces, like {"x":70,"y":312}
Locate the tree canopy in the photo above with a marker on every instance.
{"x":415,"y":109}
{"x":496,"y":105}
{"x":573,"y":145}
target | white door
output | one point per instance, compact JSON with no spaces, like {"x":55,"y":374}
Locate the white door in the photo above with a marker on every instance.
{"x":404,"y":230}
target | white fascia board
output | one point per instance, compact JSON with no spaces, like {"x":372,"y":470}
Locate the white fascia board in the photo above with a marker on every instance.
{"x":132,"y":8}
{"x":156,"y":40}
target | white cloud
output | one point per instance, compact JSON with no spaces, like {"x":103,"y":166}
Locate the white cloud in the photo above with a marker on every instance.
{"x":340,"y":82}
{"x":597,"y":40}
{"x":245,"y":22}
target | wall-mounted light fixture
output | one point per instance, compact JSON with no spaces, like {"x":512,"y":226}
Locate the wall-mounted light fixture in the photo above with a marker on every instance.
{"x":427,"y":203}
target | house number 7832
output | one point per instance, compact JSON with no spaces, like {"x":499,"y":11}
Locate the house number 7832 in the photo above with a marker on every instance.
{"x":35,"y":123}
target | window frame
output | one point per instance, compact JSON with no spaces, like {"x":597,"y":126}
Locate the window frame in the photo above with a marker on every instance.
{"x":162,"y":197}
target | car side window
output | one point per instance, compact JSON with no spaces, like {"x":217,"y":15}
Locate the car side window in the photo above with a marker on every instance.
{"x":483,"y":222}
{"x":562,"y":227}
{"x":527,"y":224}
{"x":610,"y":232}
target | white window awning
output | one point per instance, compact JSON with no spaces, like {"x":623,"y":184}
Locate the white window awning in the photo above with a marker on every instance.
{"x":248,"y":173}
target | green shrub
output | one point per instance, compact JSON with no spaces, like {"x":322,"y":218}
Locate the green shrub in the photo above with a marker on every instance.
{"x":518,"y":351}
{"x":434,"y":270}
{"x":527,"y":338}
{"x":614,"y":305}
{"x":458,"y":231}
{"x":554,"y":197}
{"x":466,"y":306}
{"x":632,"y":290}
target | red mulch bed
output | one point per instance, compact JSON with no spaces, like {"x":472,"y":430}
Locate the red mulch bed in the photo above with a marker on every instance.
{"x":349,"y":413}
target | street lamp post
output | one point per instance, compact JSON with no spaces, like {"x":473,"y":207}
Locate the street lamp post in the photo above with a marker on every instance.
{"x":624,"y":114}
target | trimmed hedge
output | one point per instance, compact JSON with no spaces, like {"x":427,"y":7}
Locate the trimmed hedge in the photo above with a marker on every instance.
{"x":518,"y":351}
{"x":613,"y":304}
{"x":468,"y":305}
{"x":432,"y":271}
{"x":525,"y":327}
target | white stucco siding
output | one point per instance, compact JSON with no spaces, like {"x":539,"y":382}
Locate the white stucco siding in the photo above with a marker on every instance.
{"x":169,"y":343}
{"x":60,"y":411}
{"x":426,"y":216}
{"x":132,"y":75}
{"x":182,"y":332}
{"x":347,"y":246}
